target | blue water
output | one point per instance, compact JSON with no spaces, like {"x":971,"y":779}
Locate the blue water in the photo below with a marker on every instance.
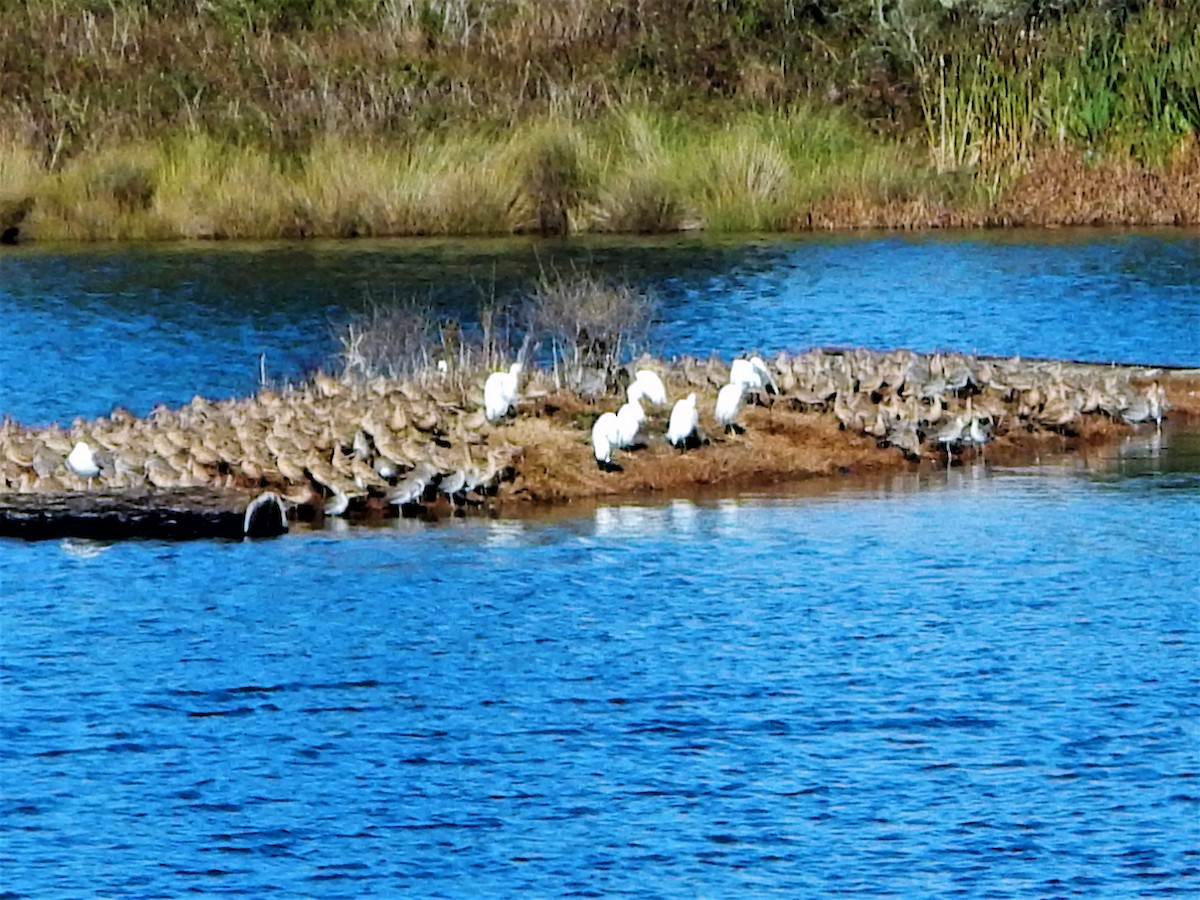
{"x":982,"y":684}
{"x":142,"y":325}
{"x":977,"y":683}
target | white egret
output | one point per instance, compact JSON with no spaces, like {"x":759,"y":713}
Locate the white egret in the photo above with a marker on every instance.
{"x":606,"y":435}
{"x":500,"y":392}
{"x":82,"y":462}
{"x":752,"y":374}
{"x":648,"y":386}
{"x":684,"y":421}
{"x":629,"y":419}
{"x":729,"y":403}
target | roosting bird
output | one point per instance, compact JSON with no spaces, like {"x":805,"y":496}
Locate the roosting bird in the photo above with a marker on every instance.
{"x":500,"y":392}
{"x":606,"y":436}
{"x":729,"y":403}
{"x":683,"y":422}
{"x":752,"y":374}
{"x":82,"y":462}
{"x":647,"y":385}
{"x":629,"y":419}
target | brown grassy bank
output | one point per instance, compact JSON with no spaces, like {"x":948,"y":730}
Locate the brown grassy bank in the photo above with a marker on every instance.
{"x":270,"y":118}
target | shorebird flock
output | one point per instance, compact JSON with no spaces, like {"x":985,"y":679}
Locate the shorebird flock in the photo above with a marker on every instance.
{"x":340,"y":444}
{"x":924,"y":404}
{"x":331,"y":442}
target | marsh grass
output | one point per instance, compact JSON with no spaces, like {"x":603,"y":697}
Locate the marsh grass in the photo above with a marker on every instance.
{"x":1125,"y":86}
{"x":266,"y":118}
{"x":638,"y":170}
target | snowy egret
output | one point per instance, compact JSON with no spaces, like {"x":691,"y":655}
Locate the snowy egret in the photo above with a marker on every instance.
{"x":729,"y":402}
{"x":647,"y":385}
{"x":752,"y":374}
{"x":683,"y":422}
{"x":83,"y":463}
{"x":500,"y":392}
{"x":606,"y":435}
{"x":629,"y":419}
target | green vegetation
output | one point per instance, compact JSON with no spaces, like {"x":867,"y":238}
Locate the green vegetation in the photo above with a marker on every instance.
{"x":260,"y":118}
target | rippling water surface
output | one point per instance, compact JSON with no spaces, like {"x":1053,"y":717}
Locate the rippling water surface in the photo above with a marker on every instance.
{"x":982,"y":682}
{"x":143,"y":325}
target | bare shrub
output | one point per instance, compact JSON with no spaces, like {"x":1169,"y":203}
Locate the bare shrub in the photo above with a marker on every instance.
{"x":396,"y":341}
{"x":406,"y":340}
{"x":591,"y":325}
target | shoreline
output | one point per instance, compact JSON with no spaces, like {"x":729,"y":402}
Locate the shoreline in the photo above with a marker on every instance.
{"x":370,"y":449}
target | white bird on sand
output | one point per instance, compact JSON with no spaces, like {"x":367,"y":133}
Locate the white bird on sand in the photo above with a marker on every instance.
{"x":500,"y":392}
{"x":412,"y":486}
{"x":82,"y":462}
{"x":629,"y":419}
{"x":729,"y":403}
{"x":684,"y":421}
{"x":648,"y":386}
{"x":752,"y":374}
{"x":606,"y":435}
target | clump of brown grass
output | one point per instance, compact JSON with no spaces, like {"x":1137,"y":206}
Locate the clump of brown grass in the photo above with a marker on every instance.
{"x":556,"y":177}
{"x":1061,"y":187}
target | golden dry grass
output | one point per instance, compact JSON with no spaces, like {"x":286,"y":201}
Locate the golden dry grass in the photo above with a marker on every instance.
{"x":633,"y":171}
{"x":778,"y":445}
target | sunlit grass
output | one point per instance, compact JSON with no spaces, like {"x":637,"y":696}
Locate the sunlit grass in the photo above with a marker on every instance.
{"x":636,"y":169}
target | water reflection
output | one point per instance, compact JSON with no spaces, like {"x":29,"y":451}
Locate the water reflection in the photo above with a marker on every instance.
{"x":504,"y":533}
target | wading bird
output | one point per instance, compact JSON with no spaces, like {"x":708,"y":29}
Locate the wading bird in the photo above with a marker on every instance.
{"x":647,"y":385}
{"x":629,"y":419}
{"x":683,"y":422}
{"x":606,"y":435}
{"x":752,"y":374}
{"x":500,"y":392}
{"x":729,"y":403}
